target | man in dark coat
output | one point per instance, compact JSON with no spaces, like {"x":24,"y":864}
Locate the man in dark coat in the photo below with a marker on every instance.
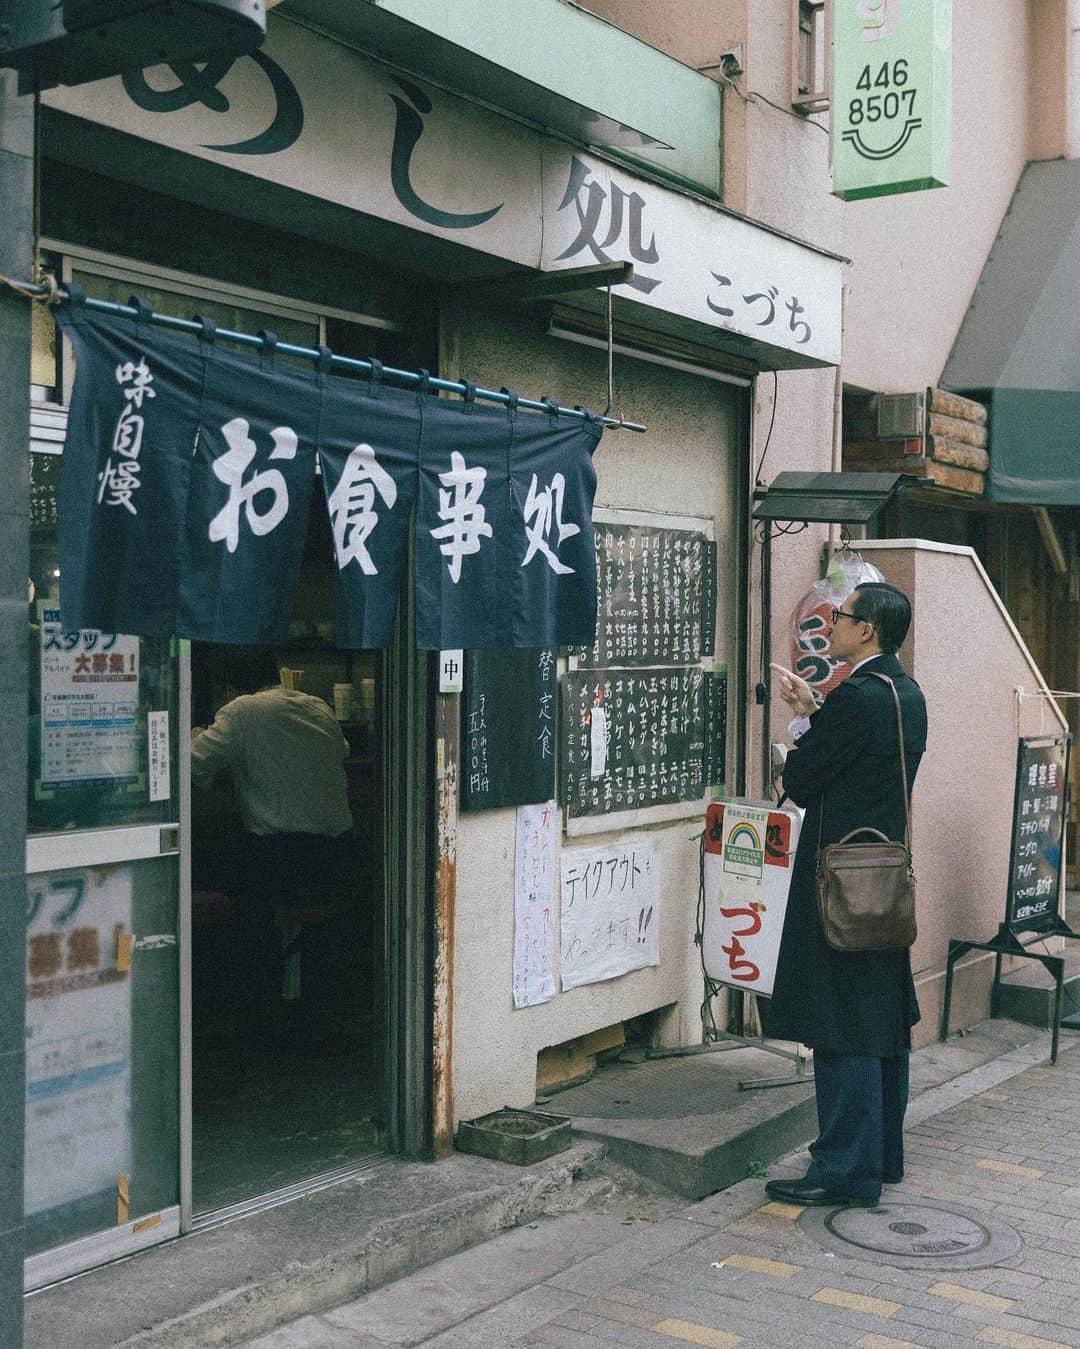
{"x":854,"y":1009}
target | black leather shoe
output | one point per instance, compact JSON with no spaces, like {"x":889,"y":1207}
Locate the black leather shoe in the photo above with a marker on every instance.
{"x":894,"y":1180}
{"x":810,"y":1195}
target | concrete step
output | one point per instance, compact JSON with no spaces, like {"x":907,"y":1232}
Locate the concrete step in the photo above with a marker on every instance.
{"x":685,"y":1122}
{"x":223,"y":1286}
{"x":1027,"y":993}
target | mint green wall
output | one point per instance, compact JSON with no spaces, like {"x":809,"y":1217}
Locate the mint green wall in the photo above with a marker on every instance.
{"x":587,"y":61}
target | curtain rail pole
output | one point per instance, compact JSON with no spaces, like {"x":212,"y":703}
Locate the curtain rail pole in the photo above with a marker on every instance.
{"x":408,"y":377}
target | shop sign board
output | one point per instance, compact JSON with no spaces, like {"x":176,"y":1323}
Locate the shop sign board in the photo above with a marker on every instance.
{"x":508,"y":728}
{"x":748,"y":865}
{"x":1038,"y":832}
{"x":317,"y":117}
{"x":78,"y":1036}
{"x":891,"y":97}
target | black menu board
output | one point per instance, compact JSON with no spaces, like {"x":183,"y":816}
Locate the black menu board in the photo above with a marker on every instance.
{"x":44,"y":480}
{"x":508,"y":743}
{"x":1038,"y":828}
{"x":636,"y":738}
{"x":656,"y":597}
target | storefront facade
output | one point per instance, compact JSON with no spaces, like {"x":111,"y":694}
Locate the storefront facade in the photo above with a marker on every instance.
{"x":316,"y":192}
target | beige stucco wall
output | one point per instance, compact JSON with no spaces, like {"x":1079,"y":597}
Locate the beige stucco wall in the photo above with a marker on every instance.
{"x":684,"y":465}
{"x":962,"y":801}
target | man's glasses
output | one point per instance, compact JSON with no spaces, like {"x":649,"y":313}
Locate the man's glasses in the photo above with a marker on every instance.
{"x":838,"y":614}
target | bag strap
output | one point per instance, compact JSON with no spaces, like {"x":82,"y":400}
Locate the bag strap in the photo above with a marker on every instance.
{"x":903,"y":760}
{"x":903,"y":764}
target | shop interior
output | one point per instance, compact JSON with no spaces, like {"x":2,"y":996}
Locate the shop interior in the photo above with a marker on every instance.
{"x":289,"y":1084}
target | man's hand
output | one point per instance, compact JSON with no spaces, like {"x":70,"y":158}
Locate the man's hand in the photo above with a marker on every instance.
{"x":795,"y":692}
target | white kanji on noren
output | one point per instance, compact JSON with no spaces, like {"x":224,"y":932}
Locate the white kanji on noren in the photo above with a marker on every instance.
{"x":352,"y":507}
{"x":459,"y":506}
{"x":119,"y":480}
{"x":230,"y":468}
{"x":546,"y":508}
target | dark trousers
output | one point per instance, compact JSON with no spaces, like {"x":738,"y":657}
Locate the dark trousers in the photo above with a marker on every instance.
{"x":279,"y":869}
{"x":860,"y":1104}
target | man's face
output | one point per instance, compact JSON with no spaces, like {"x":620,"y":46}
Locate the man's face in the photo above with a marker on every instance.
{"x":845,"y":640}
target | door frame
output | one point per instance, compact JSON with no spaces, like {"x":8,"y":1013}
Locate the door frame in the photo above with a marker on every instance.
{"x":64,"y":851}
{"x":406,"y":762}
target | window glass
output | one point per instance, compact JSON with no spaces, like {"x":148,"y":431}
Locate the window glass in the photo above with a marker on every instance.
{"x":102,"y":715}
{"x":102,"y":1047}
{"x":226,"y":314}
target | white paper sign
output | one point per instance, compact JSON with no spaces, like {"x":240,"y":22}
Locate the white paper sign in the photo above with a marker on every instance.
{"x":597,"y":742}
{"x":749,"y":860}
{"x":534,"y":904}
{"x":451,"y":665}
{"x":89,"y":703}
{"x":610,"y":911}
{"x":78,"y":1035}
{"x":157,"y":748}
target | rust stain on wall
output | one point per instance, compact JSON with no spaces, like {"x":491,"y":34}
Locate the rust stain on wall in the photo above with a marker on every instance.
{"x":446,"y":767}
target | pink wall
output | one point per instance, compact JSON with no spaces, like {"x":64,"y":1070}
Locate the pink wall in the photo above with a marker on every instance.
{"x":969,"y":660}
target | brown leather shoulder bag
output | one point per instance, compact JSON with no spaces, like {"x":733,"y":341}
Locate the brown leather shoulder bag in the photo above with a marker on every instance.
{"x":866,"y":891}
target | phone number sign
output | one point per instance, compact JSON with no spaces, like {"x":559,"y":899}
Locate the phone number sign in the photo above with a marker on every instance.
{"x":891,"y":96}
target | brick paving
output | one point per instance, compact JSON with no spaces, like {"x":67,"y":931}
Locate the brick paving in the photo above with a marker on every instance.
{"x":737,"y":1269}
{"x":758,"y":1280}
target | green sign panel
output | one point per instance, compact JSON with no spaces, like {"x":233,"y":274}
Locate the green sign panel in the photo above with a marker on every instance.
{"x":891,"y":96}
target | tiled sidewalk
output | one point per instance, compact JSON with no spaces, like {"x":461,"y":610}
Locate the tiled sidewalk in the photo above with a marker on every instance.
{"x":737,"y":1269}
{"x":756,"y":1279}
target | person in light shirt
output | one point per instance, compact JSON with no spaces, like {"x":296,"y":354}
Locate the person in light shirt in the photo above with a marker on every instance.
{"x":284,"y":753}
{"x":854,"y":1009}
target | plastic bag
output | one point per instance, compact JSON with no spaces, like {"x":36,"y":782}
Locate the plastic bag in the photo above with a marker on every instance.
{"x":812,"y":620}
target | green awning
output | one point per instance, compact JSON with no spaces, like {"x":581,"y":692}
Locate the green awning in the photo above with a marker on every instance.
{"x":1019,"y":345}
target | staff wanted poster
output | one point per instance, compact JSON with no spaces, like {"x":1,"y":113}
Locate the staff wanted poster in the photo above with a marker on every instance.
{"x":749,"y":860}
{"x":89,"y":704}
{"x":78,"y":1035}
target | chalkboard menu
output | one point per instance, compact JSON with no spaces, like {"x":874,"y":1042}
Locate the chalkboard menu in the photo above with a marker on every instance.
{"x":1042,"y":768}
{"x":656,"y":597}
{"x":635,"y":738}
{"x":44,"y":479}
{"x":717,"y":722}
{"x":508,"y":740}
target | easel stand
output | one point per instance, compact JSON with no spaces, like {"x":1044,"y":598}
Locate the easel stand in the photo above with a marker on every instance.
{"x":1007,"y":943}
{"x":1033,"y":893}
{"x":717,"y":1041}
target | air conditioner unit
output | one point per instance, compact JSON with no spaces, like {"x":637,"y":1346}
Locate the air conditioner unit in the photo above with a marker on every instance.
{"x":901,"y":416}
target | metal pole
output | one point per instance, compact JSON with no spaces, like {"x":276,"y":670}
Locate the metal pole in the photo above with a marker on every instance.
{"x":16,"y":253}
{"x":406,"y":377}
{"x":837,"y":421}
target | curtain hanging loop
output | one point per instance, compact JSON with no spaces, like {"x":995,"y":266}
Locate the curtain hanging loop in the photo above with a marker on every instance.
{"x":270,"y":341}
{"x":206,"y":331}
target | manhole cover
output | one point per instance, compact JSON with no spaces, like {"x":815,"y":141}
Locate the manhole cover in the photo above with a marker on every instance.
{"x":914,"y":1234}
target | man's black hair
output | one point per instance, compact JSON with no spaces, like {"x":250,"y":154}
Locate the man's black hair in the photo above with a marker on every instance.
{"x":248,"y":668}
{"x":888,"y":609}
